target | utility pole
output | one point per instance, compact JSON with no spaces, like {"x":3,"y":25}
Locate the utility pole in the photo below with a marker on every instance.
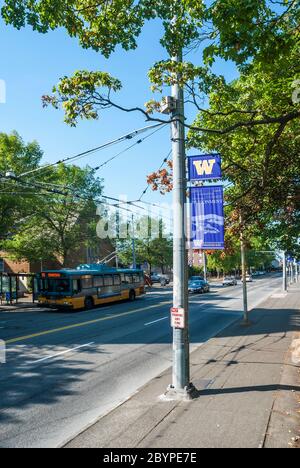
{"x":291,"y":273}
{"x":181,"y":388}
{"x":133,"y":244}
{"x":205,"y":265}
{"x":244,"y":273}
{"x":284,"y":272}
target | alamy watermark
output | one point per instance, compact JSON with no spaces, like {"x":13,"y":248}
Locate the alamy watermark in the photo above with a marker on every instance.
{"x":2,"y":92}
{"x":153,"y":224}
{"x":2,"y":352}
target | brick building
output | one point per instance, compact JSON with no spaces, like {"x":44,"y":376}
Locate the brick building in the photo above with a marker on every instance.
{"x":78,"y":256}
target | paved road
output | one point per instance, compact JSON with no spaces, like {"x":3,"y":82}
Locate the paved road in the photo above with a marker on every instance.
{"x":65,"y":370}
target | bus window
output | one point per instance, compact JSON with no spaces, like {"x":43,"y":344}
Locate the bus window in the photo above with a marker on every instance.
{"x":54,"y":285}
{"x":76,"y":286}
{"x":117,"y":280}
{"x":108,"y":280}
{"x":136,"y":278}
{"x":98,"y":281}
{"x":63,"y":286}
{"x":87,"y":283}
{"x":128,"y":279}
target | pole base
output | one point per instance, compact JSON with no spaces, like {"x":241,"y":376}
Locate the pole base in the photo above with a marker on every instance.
{"x":246,"y":323}
{"x":186,"y":394}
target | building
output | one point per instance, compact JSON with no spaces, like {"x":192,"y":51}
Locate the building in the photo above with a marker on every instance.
{"x":80,"y":255}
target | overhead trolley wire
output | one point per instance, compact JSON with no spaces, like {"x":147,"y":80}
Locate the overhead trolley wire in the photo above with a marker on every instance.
{"x":71,"y":193}
{"x":128,"y":136}
{"x":127,"y":149}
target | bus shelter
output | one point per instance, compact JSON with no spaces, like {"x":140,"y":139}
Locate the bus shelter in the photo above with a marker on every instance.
{"x":12,"y":289}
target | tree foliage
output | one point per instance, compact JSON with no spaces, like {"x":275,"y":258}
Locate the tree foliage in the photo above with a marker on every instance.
{"x":47,"y":214}
{"x":152,"y":244}
{"x":253,"y":122}
{"x":19,"y":157}
{"x":234,"y":30}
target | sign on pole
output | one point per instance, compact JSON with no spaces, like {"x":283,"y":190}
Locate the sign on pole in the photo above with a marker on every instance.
{"x":205,"y":167}
{"x":178,"y":318}
{"x":207,"y":218}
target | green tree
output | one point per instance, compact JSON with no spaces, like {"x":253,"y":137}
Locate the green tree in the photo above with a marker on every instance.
{"x":15,"y":203}
{"x":233,"y":30}
{"x":251,"y":121}
{"x":63,"y":219}
{"x":152,"y":244}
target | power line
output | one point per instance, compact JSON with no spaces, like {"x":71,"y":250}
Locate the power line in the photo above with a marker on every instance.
{"x":67,"y":194}
{"x":128,"y":136}
{"x":110,"y":159}
{"x":127,"y":149}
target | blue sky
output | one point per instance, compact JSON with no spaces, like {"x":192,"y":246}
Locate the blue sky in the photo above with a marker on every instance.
{"x":31,"y":63}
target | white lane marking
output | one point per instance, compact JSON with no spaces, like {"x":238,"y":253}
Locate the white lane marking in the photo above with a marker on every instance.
{"x":62,"y":353}
{"x":155,"y":321}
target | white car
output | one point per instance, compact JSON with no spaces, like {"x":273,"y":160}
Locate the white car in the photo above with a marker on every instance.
{"x":229,"y":281}
{"x":249,"y":279}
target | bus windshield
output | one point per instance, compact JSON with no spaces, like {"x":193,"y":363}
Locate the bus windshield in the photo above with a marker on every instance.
{"x":55,"y":285}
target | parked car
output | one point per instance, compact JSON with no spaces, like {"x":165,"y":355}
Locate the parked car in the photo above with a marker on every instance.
{"x":249,"y":279}
{"x":157,"y":278}
{"x":229,"y":281}
{"x":198,"y":287}
{"x":196,"y":278}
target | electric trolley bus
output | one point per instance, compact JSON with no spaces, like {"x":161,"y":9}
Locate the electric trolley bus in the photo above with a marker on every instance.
{"x":88,"y":286}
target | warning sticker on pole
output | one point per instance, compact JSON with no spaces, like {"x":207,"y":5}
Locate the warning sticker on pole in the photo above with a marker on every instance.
{"x":177,"y":318}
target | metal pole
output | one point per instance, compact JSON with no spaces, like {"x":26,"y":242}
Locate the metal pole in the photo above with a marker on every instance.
{"x":244,"y":275}
{"x":133,"y":244}
{"x":181,"y":387}
{"x":10,"y":290}
{"x":205,"y":265}
{"x":284,"y":279}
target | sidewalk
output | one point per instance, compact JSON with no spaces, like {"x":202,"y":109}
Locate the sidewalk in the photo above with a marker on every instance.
{"x":17,"y":307}
{"x":249,"y":391}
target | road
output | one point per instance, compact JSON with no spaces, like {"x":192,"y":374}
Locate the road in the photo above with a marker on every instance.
{"x":65,"y":370}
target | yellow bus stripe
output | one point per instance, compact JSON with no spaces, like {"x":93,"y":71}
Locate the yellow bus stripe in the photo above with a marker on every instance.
{"x":83,"y":324}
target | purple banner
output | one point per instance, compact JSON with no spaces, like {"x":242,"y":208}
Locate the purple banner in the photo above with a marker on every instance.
{"x":205,"y":167}
{"x":207,"y":218}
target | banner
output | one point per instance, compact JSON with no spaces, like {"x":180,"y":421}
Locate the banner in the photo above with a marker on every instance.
{"x":207,"y":218}
{"x":205,"y":167}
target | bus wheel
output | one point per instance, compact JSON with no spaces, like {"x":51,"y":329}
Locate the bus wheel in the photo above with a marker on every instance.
{"x":132,"y":296}
{"x":88,"y":303}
